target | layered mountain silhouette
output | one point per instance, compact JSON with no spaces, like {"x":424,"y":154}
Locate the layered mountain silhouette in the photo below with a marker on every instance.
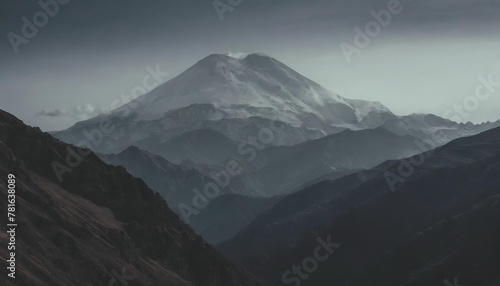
{"x":285,"y":169}
{"x":404,"y":200}
{"x":174,"y":182}
{"x":228,"y":214}
{"x":222,"y":217}
{"x":282,"y":130}
{"x":203,"y":146}
{"x":276,"y":171}
{"x":417,"y":221}
{"x":98,"y":223}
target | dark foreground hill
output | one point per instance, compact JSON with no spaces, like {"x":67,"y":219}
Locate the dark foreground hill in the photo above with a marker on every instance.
{"x":99,"y":225}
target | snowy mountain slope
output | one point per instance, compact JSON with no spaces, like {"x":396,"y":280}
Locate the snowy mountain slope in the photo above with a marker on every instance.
{"x":236,"y":97}
{"x":240,"y":98}
{"x":256,"y":85}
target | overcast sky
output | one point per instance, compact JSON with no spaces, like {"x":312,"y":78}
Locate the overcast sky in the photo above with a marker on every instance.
{"x":427,"y":59}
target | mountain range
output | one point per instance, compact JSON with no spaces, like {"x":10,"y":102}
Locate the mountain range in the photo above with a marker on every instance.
{"x":220,"y":220}
{"x":440,"y":220}
{"x":241,"y":98}
{"x":281,"y":130}
{"x":243,"y":163}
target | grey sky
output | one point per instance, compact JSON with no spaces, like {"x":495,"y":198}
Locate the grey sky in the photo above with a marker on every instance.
{"x":428,"y":58}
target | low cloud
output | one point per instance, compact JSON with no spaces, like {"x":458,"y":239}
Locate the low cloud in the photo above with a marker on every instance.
{"x":81,"y":112}
{"x":53,"y":113}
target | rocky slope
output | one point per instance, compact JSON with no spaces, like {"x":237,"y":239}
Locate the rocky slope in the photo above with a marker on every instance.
{"x":99,"y":224}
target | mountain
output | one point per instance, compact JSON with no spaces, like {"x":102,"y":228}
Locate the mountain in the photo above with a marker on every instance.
{"x":228,"y":214}
{"x":274,"y":171}
{"x":174,"y":182}
{"x":434,"y":129}
{"x":95,"y":224}
{"x":285,"y":169}
{"x":256,"y":85}
{"x":202,"y":146}
{"x":240,"y":99}
{"x":219,"y":220}
{"x":235,"y":97}
{"x":440,"y":220}
{"x":280,"y":170}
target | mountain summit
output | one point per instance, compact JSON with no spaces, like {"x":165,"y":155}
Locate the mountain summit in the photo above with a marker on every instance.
{"x":256,"y":85}
{"x":240,"y":98}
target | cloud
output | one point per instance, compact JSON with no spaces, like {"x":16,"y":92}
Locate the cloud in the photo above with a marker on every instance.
{"x":54,"y":113}
{"x":81,"y":112}
{"x":236,"y":55}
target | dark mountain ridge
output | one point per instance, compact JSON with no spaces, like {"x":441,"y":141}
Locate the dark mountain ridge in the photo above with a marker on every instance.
{"x":220,"y":220}
{"x":97,"y":221}
{"x":441,"y":220}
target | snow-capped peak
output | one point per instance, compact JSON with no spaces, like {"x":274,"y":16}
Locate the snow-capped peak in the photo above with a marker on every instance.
{"x":254,"y":85}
